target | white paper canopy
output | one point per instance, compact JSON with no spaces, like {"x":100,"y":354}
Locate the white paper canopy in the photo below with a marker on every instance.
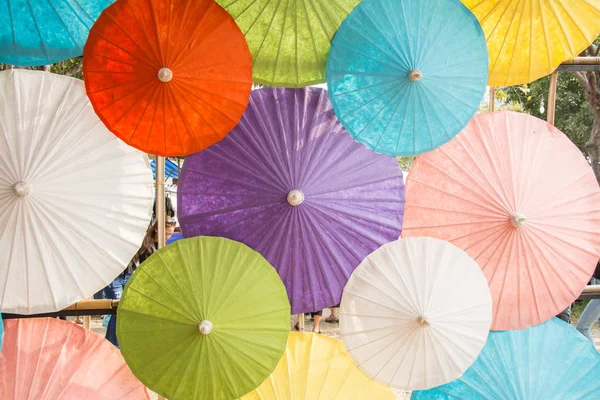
{"x":415,"y":313}
{"x":75,"y":201}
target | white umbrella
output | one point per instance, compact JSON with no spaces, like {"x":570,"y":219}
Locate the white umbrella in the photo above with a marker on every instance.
{"x":75,"y":201}
{"x":415,"y":313}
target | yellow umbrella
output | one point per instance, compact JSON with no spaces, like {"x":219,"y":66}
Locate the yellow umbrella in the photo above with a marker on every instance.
{"x":528,"y":39}
{"x":317,"y":367}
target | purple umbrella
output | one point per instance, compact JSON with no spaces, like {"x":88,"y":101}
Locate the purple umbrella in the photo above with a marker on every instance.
{"x":291,"y":183}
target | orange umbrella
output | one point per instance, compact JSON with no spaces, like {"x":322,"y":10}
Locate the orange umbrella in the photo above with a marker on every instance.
{"x":52,"y":359}
{"x":514,"y":193}
{"x":169,"y":78}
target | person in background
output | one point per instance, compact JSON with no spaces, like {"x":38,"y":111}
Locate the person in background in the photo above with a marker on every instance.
{"x":565,"y":315}
{"x":333,"y":317}
{"x":115,"y":289}
{"x":591,"y":313}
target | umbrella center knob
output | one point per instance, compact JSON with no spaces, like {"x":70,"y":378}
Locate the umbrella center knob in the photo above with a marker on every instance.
{"x":415,"y":75}
{"x":423,"y":321}
{"x":295,"y":197}
{"x":165,"y":75}
{"x":21,"y":189}
{"x":205,"y":327}
{"x":518,"y":220}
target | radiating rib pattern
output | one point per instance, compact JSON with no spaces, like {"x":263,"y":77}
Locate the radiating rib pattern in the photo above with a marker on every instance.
{"x":52,"y":359}
{"x":501,"y":164}
{"x":316,"y":367}
{"x":289,"y":39}
{"x":547,"y":361}
{"x":89,"y":202}
{"x":211,"y":73}
{"x":395,"y":286}
{"x":528,"y":39}
{"x":289,"y":139}
{"x":42,"y":32}
{"x":193,"y":280}
{"x":372,"y":55}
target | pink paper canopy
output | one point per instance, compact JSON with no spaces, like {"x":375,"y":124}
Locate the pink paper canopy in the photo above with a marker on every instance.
{"x":518,"y":196}
{"x":53,"y":359}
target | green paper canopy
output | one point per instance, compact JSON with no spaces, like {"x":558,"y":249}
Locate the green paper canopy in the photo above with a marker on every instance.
{"x":203,"y":318}
{"x":289,"y":40}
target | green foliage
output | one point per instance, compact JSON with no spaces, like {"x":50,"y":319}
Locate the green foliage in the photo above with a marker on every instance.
{"x":574,"y":116}
{"x":406,"y":162}
{"x":71,"y":67}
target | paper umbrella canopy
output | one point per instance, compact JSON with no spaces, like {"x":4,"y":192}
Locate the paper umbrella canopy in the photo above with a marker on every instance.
{"x":316,"y":367}
{"x":42,"y":32}
{"x":46,"y":358}
{"x":203,"y":318}
{"x":528,"y":39}
{"x":292,"y":184}
{"x":289,"y":41}
{"x":415,"y":313}
{"x":518,"y":196}
{"x":167,"y":78}
{"x":64,"y":175}
{"x":406,"y":76}
{"x":547,"y":361}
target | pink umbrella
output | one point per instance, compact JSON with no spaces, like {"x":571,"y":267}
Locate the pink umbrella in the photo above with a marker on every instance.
{"x":515,"y":193}
{"x":53,"y":359}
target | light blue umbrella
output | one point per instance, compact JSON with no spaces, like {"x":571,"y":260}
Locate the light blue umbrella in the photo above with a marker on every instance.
{"x":406,"y":76}
{"x":41,"y":32}
{"x":1,"y":330}
{"x":547,"y":361}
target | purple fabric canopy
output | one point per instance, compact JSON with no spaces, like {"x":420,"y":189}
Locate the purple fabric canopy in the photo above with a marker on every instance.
{"x":289,"y":140}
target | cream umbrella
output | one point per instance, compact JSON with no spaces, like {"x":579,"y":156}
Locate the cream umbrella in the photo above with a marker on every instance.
{"x":75,"y":201}
{"x":415,"y":313}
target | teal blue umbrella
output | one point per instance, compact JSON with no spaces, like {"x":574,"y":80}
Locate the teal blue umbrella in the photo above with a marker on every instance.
{"x":41,"y":32}
{"x":547,"y":361}
{"x":406,"y":76}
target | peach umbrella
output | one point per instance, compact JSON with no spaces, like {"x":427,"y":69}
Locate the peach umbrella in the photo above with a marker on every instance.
{"x":514,"y":193}
{"x":45,"y":358}
{"x":168,"y":78}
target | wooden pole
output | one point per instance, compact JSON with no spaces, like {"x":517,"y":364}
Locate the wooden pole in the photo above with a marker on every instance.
{"x":160,"y":200}
{"x":492,"y":106}
{"x":160,"y":206}
{"x":552,"y":97}
{"x":301,"y":322}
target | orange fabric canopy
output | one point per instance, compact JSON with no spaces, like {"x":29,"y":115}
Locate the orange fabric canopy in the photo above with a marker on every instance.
{"x":169,"y":78}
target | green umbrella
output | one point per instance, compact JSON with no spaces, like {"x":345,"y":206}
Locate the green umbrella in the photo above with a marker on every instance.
{"x":203,"y":318}
{"x":289,"y":40}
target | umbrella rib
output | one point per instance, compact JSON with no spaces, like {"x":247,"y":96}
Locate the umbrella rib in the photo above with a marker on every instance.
{"x":312,"y":225}
{"x":321,"y":12}
{"x":141,"y":54}
{"x":152,"y":299}
{"x":495,"y":195}
{"x":347,"y":113}
{"x":491,"y":211}
{"x":179,"y":296}
{"x":559,"y":255}
{"x":176,"y":86}
{"x":497,"y":208}
{"x":256,"y":54}
{"x":285,"y":14}
{"x":37,"y":30}
{"x":336,"y":44}
{"x":155,"y":56}
{"x":553,"y":236}
{"x":434,"y":44}
{"x":396,"y":57}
